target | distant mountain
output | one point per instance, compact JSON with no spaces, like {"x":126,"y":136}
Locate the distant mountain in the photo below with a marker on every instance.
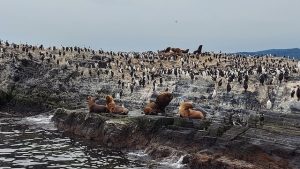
{"x":295,"y":52}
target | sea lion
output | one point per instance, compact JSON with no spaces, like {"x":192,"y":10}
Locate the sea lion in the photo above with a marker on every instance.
{"x":95,"y":108}
{"x":174,"y":50}
{"x":163,"y":100}
{"x":120,"y":110}
{"x":186,"y":110}
{"x":199,"y":50}
{"x":151,"y":108}
{"x":110,"y":103}
{"x":159,"y":105}
{"x":113,"y":108}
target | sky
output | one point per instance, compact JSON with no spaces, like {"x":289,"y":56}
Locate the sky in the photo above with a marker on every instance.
{"x":142,"y":25}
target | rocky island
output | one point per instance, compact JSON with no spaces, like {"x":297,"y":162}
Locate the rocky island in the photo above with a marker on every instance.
{"x":251,"y":103}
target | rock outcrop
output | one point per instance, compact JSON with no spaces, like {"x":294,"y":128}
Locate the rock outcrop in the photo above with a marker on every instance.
{"x":203,"y":143}
{"x":238,"y":131}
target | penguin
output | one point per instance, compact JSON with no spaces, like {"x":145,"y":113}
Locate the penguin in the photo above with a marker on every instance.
{"x":214,"y":94}
{"x":90,"y":72}
{"x":119,"y":83}
{"x":269,"y":104}
{"x":117,"y":95}
{"x":220,"y":82}
{"x":280,"y":77}
{"x":246,"y":78}
{"x":121,"y":94}
{"x":245,"y":85}
{"x":228,"y":87}
{"x":131,"y":88}
{"x":262,"y":79}
{"x":293,"y":93}
{"x":261,"y":118}
{"x":240,"y":78}
{"x":298,"y":92}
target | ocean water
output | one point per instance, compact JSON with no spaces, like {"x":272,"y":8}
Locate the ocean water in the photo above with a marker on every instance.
{"x":34,"y":142}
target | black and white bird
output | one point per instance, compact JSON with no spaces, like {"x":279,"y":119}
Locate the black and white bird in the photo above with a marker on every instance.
{"x":269,"y":104}
{"x":220,"y":82}
{"x":214,"y":94}
{"x":293,"y":93}
{"x":280,"y":77}
{"x":262,"y":79}
{"x":228,"y":87}
{"x":298,"y":92}
{"x":245,"y":85}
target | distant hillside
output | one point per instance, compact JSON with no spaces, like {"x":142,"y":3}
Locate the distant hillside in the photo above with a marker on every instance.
{"x":295,"y":52}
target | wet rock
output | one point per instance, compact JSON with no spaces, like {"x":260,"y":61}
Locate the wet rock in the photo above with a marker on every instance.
{"x":295,"y":106}
{"x":205,"y":144}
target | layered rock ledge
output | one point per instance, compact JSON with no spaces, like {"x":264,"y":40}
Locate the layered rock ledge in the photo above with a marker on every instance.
{"x":203,"y":143}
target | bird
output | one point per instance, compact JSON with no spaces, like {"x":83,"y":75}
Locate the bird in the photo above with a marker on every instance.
{"x":246,"y":78}
{"x":117,"y":95}
{"x":215,"y":93}
{"x":298,"y":92}
{"x":245,"y":85}
{"x":228,"y":87}
{"x":293,"y":94}
{"x":269,"y":104}
{"x":262,"y":79}
{"x":220,"y":82}
{"x":280,"y":77}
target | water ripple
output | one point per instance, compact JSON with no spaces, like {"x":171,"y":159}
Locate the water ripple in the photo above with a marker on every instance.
{"x":34,"y":142}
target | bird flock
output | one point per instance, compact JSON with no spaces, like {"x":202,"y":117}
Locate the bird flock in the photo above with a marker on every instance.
{"x":133,"y":71}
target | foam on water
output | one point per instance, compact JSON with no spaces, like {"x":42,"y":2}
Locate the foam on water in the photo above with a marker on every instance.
{"x":174,"y":162}
{"x":40,"y":119}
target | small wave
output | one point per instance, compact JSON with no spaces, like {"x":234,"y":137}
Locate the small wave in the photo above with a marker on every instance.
{"x":40,"y":119}
{"x":174,"y":162}
{"x":138,"y":154}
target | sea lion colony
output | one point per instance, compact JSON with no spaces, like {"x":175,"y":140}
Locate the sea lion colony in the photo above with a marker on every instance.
{"x":134,"y":71}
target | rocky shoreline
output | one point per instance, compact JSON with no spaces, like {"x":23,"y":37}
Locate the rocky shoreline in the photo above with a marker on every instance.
{"x":239,"y":131}
{"x":203,"y":144}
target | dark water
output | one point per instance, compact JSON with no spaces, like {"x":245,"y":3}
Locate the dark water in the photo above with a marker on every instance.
{"x":35,"y":143}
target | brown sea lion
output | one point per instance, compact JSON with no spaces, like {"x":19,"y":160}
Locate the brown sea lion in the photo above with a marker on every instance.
{"x":95,"y":108}
{"x":163,"y":100}
{"x":186,"y":111}
{"x":151,"y":108}
{"x":174,"y":50}
{"x":120,"y":110}
{"x":159,"y":105}
{"x":110,"y":103}
{"x":113,"y":108}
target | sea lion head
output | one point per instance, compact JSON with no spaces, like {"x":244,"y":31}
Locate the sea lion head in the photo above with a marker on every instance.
{"x":109,"y":99}
{"x":91,"y":99}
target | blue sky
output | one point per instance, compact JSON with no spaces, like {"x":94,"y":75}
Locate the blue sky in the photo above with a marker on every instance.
{"x":141,"y":25}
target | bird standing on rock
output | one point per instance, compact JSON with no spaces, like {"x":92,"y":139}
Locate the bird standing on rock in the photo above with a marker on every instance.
{"x":280,"y":77}
{"x":214,"y":94}
{"x":228,"y":87}
{"x":262,"y":79}
{"x":245,"y":85}
{"x":220,"y":82}
{"x":269,"y":104}
{"x":293,"y":93}
{"x":298,"y":92}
